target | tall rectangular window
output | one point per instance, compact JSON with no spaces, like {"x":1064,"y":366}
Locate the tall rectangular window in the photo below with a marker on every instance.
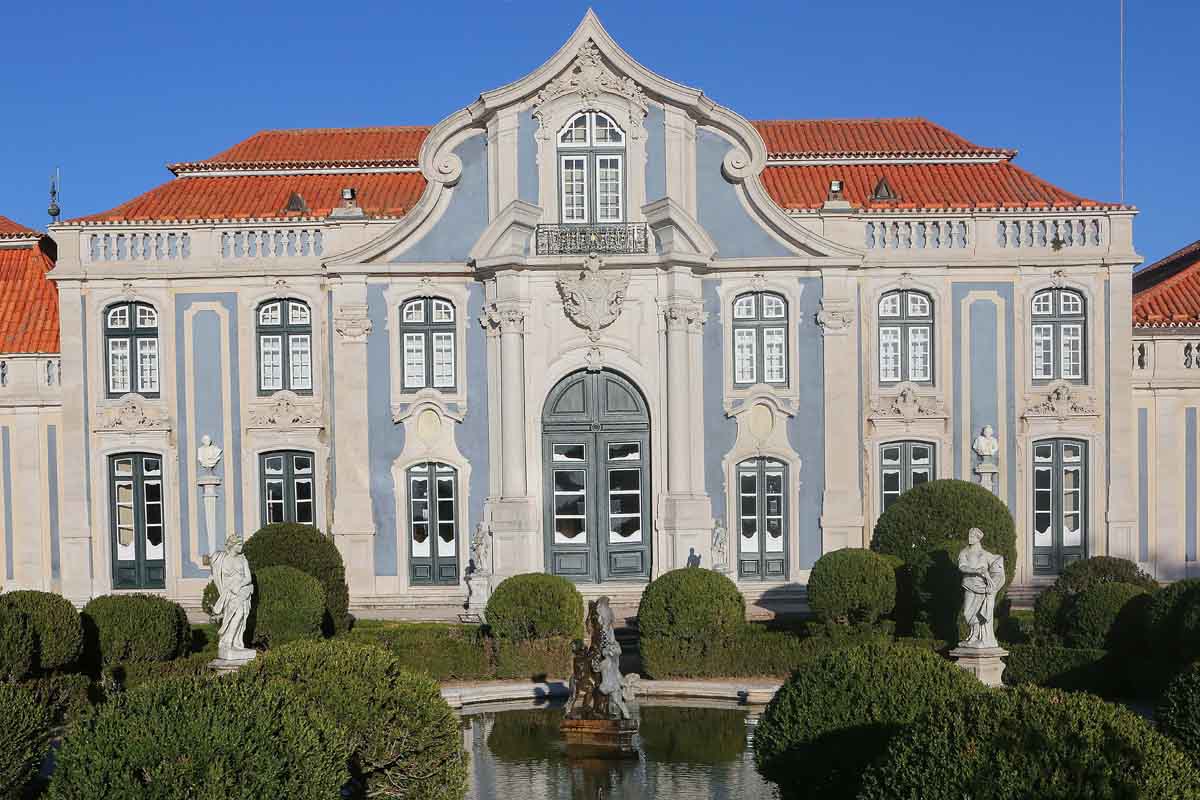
{"x":889,"y":354}
{"x":118,"y":366}
{"x":414,"y":360}
{"x":905,"y":319}
{"x":287,"y":487}
{"x":762,"y":520}
{"x":903,"y":465}
{"x":608,"y":189}
{"x":270,"y":362}
{"x":760,"y":350}
{"x":574,"y":190}
{"x":427,"y":336}
{"x":1058,"y":335}
{"x":301,"y":363}
{"x":1043,"y":351}
{"x":131,"y":344}
{"x":1060,"y":523}
{"x":774,"y":359}
{"x":138,"y":526}
{"x":743,"y":356}
{"x":284,"y":330}
{"x":443,"y":359}
{"x":918,"y":354}
{"x":433,"y":523}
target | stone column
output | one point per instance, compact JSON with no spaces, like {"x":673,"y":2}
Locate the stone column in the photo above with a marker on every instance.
{"x":841,"y":505}
{"x":1121,"y":419}
{"x":74,"y":513}
{"x":353,"y":520}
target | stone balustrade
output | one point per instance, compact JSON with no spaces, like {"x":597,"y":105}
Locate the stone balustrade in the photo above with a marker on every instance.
{"x":1054,"y":233}
{"x":272,"y":243}
{"x":934,"y":234}
{"x":138,"y":246}
{"x":199,"y":246}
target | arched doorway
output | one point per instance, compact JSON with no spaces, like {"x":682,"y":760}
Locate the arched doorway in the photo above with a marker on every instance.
{"x":596,"y":484}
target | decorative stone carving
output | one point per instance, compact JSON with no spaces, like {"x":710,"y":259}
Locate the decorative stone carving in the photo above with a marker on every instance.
{"x":498,"y":319}
{"x":598,"y":690}
{"x":986,"y":446}
{"x":589,"y":77}
{"x":907,"y":405}
{"x":593,"y":300}
{"x":131,"y":415}
{"x":835,"y":318}
{"x":685,"y":316}
{"x":758,"y":282}
{"x":283,"y":411}
{"x":1062,"y":402}
{"x":594,"y":359}
{"x":281,"y":288}
{"x":208,"y":454}
{"x":231,"y":574}
{"x":352,"y":323}
{"x":720,"y":547}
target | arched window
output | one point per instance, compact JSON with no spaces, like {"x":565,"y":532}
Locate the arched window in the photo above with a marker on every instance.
{"x":591,"y":166}
{"x":433,"y":523}
{"x":762,"y":519}
{"x":905,"y":337}
{"x":1059,"y":504}
{"x":760,"y":353}
{"x":903,"y":465}
{"x":131,"y":345}
{"x":284,"y":347}
{"x":286,"y":482}
{"x":427,"y":344}
{"x":1058,"y":335}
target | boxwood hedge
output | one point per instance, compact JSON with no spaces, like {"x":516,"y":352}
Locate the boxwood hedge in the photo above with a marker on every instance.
{"x":308,"y":550}
{"x":1107,"y":615}
{"x":134,"y":627}
{"x":691,"y":604}
{"x":1178,"y":711}
{"x":18,"y":645}
{"x":535,"y":606}
{"x":853,"y":586}
{"x":57,"y":629}
{"x":26,"y":738}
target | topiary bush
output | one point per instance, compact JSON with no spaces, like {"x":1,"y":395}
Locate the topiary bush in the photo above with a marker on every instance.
{"x":26,"y":738}
{"x":840,"y":708}
{"x":535,"y":606}
{"x":1071,"y":669}
{"x":751,"y":651}
{"x":1173,"y":621}
{"x":403,"y":737}
{"x":203,"y":739}
{"x":308,"y":550}
{"x":18,"y":645}
{"x":1031,"y":742}
{"x":691,"y":604}
{"x":1107,"y":616}
{"x":134,"y":627}
{"x":1078,"y":576}
{"x":445,"y":652}
{"x":288,"y":605}
{"x":926,"y":527}
{"x":1047,"y":617}
{"x":853,"y":586}
{"x":1178,"y":711}
{"x":57,"y":629}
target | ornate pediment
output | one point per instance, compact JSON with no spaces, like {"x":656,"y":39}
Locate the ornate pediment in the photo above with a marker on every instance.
{"x":589,"y":77}
{"x":907,"y":406}
{"x":1062,"y":402}
{"x":131,"y":415}
{"x":284,"y":410}
{"x":593,"y":300}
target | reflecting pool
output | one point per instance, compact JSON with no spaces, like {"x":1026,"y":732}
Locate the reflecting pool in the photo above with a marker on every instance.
{"x":681,"y":751}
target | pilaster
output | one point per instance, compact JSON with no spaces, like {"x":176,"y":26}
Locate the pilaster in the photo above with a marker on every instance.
{"x":1122,"y":436}
{"x":74,"y":511}
{"x":841,"y":506}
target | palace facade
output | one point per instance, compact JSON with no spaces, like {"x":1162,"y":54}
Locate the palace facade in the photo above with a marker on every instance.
{"x":598,"y":314}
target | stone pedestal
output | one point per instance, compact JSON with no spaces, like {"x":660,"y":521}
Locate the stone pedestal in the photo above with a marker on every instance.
{"x":479,"y":589}
{"x":987,"y":474}
{"x":985,"y":663}
{"x":208,"y":487}
{"x":226,"y":665}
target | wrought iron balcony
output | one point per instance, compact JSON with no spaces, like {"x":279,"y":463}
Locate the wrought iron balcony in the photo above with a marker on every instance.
{"x":627,"y":238}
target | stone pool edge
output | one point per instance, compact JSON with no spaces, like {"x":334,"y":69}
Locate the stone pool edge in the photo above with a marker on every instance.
{"x":747,"y":692}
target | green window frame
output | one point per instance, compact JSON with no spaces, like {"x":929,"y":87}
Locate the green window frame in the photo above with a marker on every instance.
{"x":906,"y":337}
{"x":287,"y":487}
{"x":428,"y":345}
{"x":1058,"y":336}
{"x":433,"y":529}
{"x":137,"y":521}
{"x":131,"y":350}
{"x":760,"y":339}
{"x":903,"y":465}
{"x":283,"y":330}
{"x":1060,"y":504}
{"x":761,"y":505}
{"x":591,"y":170}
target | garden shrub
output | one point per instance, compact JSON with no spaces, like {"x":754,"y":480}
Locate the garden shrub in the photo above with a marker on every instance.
{"x":26,"y":738}
{"x":403,"y":737}
{"x":1178,"y":711}
{"x":1031,"y":742}
{"x":751,"y":651}
{"x":66,"y":696}
{"x":288,"y":605}
{"x":304,"y":547}
{"x":445,"y":652}
{"x":1173,"y":621}
{"x":691,"y":604}
{"x":134,"y":674}
{"x":1106,"y":615}
{"x":1047,"y":616}
{"x":926,"y":527}
{"x":535,"y":659}
{"x":203,"y":739}
{"x":1072,"y":669}
{"x":57,"y":629}
{"x":693,"y":735}
{"x":840,"y":708}
{"x":18,"y":645}
{"x":535,"y":606}
{"x":134,"y":627}
{"x":1017,"y":627}
{"x":1078,"y":576}
{"x":853,"y":586}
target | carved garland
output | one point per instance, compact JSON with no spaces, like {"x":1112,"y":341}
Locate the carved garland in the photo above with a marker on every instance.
{"x":908,"y":406}
{"x":131,"y":415}
{"x":1062,"y":402}
{"x":284,"y":412}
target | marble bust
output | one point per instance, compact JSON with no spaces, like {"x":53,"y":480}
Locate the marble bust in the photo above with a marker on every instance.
{"x":982,"y":578}
{"x":986,"y":445}
{"x":231,"y":574}
{"x":208,"y":454}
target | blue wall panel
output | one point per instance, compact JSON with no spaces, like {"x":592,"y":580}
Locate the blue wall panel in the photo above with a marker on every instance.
{"x":527,"y":167}
{"x":462,"y":223}
{"x":806,"y":430}
{"x":720,"y":211}
{"x":719,"y":430}
{"x":656,"y":154}
{"x":472,"y":435}
{"x":386,"y":437}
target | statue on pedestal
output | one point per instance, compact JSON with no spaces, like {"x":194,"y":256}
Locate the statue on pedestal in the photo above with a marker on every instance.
{"x":598,"y":706}
{"x":983,"y":577}
{"x":208,"y":454}
{"x":720,"y":547}
{"x":231,"y":574}
{"x":986,"y":446}
{"x":481,"y":549}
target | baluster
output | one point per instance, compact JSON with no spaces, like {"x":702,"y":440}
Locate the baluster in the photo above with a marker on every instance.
{"x":291,"y":243}
{"x":868,"y":236}
{"x":186,"y":250}
{"x":304,"y":242}
{"x":1095,"y":232}
{"x":93,"y":247}
{"x":319,"y":240}
{"x":904,"y":235}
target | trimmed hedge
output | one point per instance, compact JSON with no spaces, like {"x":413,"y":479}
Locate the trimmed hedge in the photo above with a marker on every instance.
{"x":853,"y":586}
{"x":57,"y":629}
{"x":693,"y":735}
{"x":1178,"y":711}
{"x":134,"y":627}
{"x":1078,"y":576}
{"x":926,"y":527}
{"x":66,"y":696}
{"x":18,"y":645}
{"x":1107,"y":615}
{"x":1048,"y":612}
{"x":445,"y":652}
{"x":135,"y":674}
{"x":535,"y":659}
{"x":304,"y":547}
{"x":404,"y":738}
{"x":227,"y":739}
{"x":1031,"y":742}
{"x":1173,"y":621}
{"x":535,"y":606}
{"x":26,"y":738}
{"x":691,"y":604}
{"x":751,"y":651}
{"x":288,"y":605}
{"x":1071,"y":669}
{"x":839,"y":710}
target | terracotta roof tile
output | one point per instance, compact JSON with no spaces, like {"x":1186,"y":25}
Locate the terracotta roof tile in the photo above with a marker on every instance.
{"x":315,"y":146}
{"x":14,"y":230}
{"x":28,"y":300}
{"x":1167,"y":292}
{"x":908,"y":136}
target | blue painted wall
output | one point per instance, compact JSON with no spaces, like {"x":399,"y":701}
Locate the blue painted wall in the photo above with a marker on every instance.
{"x":472,"y":434}
{"x":736,"y":233}
{"x":806,"y":430}
{"x":386,"y":437}
{"x":52,"y":488}
{"x":720,"y":431}
{"x":656,"y":154}
{"x":451,"y":237}
{"x":527,"y":168}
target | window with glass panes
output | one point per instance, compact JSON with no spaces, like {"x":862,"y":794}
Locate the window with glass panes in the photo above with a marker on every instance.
{"x":1059,"y":504}
{"x":287,"y":487}
{"x":905,"y":337}
{"x":903,"y":465}
{"x":1058,"y":335}
{"x":131,"y":349}
{"x":591,"y":170}
{"x":427,"y":349}
{"x":433,"y":523}
{"x":136,"y":514}
{"x":285,"y":347}
{"x":760,"y":351}
{"x":762,"y":519}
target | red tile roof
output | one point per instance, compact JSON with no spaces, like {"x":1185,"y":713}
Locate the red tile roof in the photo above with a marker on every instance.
{"x":14,"y":230}
{"x":28,"y":299}
{"x":1167,"y":293}
{"x":896,"y":137}
{"x":318,"y":147}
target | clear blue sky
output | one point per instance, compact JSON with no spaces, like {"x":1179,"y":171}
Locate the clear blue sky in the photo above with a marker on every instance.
{"x":112,"y":94}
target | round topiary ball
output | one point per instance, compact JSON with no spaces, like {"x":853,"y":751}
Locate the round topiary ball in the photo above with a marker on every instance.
{"x":1106,"y":616}
{"x":691,"y":604}
{"x":1031,"y":742}
{"x":1178,"y":711}
{"x":404,"y":738}
{"x":18,"y":645}
{"x":839,"y":710}
{"x":187,"y":738}
{"x":134,"y":628}
{"x":26,"y":738}
{"x":535,"y":606}
{"x":288,"y":605}
{"x":853,"y":586}
{"x":56,"y":625}
{"x":1173,"y":621}
{"x":1085,"y":573}
{"x":304,"y":547}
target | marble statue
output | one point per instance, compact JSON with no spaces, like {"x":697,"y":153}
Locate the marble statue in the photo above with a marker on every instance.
{"x":720,"y":546}
{"x":231,"y":573}
{"x":481,"y":549}
{"x":598,"y":689}
{"x":606,"y":661}
{"x":986,"y":446}
{"x":983,"y":577}
{"x":208,"y":454}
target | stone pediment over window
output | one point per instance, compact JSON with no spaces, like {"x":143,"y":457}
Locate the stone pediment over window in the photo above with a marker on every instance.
{"x":1062,"y":402}
{"x":132,"y":414}
{"x":285,"y":411}
{"x":906,"y":407}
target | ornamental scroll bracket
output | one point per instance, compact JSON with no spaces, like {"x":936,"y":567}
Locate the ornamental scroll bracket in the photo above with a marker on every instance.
{"x":907,"y":406}
{"x":1061,"y":403}
{"x":593,"y":300}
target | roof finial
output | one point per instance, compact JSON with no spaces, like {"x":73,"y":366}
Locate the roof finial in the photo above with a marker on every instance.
{"x":53,"y":210}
